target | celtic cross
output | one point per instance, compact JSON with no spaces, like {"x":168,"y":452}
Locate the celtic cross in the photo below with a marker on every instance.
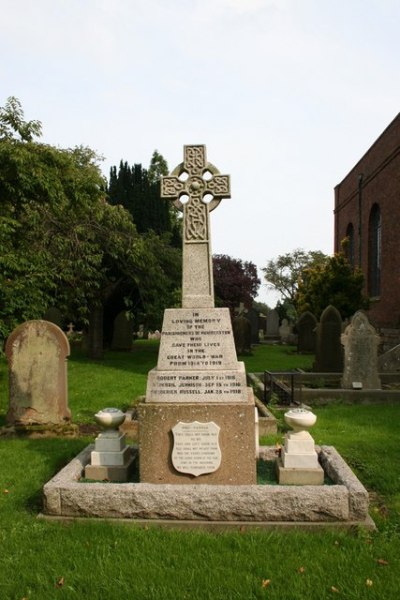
{"x":196,"y":180}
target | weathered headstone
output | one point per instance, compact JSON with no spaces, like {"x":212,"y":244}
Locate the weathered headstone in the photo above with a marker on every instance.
{"x":329,"y":355}
{"x":273,"y":323}
{"x":360,"y":342}
{"x":122,"y":338}
{"x":37,"y":352}
{"x":285,"y":331}
{"x":306,"y":328}
{"x":197,"y":402}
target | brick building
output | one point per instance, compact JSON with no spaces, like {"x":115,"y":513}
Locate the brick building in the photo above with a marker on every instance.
{"x":367,"y":211}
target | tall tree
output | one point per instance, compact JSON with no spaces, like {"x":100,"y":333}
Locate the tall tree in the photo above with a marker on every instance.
{"x":333,"y":282}
{"x":235,"y":281}
{"x":284,"y":273}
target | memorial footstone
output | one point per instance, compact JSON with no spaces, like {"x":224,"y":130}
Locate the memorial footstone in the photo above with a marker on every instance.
{"x":306,"y":328}
{"x":360,"y":342}
{"x":37,"y":352}
{"x":329,"y":354}
{"x":196,"y":424}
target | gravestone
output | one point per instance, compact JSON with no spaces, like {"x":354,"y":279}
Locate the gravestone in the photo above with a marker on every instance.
{"x":197,"y":423}
{"x":37,"y":352}
{"x":122,"y":338}
{"x":360,"y":342}
{"x":306,"y":328}
{"x":273,"y":323}
{"x":242,"y":334}
{"x":329,"y":354}
{"x":252,"y":315}
{"x":285,"y":331}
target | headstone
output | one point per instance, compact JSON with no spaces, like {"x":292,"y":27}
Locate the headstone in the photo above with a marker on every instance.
{"x":273,"y":323}
{"x":122,"y":338}
{"x":360,"y":342}
{"x":54,"y":315}
{"x":306,"y":328}
{"x":37,"y":352}
{"x":242,"y":334}
{"x":197,"y":422}
{"x":329,"y":355}
{"x":252,"y":316}
{"x":285,"y":331}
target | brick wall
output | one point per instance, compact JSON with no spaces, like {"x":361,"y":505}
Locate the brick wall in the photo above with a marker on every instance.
{"x":377,"y":176}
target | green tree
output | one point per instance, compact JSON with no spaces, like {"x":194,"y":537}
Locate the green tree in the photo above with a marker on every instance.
{"x":332,"y":282}
{"x":13,"y":125}
{"x":62,"y":243}
{"x":284,"y":273}
{"x":235,"y":281}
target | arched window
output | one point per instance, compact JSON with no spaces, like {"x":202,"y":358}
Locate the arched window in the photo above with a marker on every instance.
{"x":374,"y":251}
{"x":349,"y":249}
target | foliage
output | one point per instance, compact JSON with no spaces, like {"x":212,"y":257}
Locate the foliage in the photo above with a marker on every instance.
{"x":138,"y":190}
{"x":333,"y":282}
{"x":261,"y":307}
{"x":12,"y":122}
{"x":235,"y":281}
{"x":284,"y":273}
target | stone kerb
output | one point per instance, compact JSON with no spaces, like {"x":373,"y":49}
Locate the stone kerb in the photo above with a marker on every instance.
{"x":36,"y":352}
{"x":346,"y":501}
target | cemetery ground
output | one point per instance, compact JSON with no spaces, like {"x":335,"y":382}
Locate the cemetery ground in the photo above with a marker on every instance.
{"x":98,"y":559}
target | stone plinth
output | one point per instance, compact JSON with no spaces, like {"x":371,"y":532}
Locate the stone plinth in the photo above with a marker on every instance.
{"x":236,"y":441}
{"x":298,"y":463}
{"x":111,"y":458}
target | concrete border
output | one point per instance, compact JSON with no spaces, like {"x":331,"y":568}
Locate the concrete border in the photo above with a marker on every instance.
{"x":345,"y":503}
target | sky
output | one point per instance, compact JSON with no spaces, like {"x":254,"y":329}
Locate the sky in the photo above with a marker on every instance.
{"x":287,"y":95}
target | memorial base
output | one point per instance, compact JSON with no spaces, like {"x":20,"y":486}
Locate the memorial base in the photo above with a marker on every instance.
{"x":116,"y":474}
{"x":296,"y":476}
{"x":236,"y":440}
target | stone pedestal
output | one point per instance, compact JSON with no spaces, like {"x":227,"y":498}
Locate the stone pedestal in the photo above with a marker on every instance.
{"x":111,"y":459}
{"x":199,"y":387}
{"x":298,"y":463}
{"x":236,"y":442}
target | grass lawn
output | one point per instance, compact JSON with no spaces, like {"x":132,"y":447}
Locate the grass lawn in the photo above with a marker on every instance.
{"x":97,"y":560}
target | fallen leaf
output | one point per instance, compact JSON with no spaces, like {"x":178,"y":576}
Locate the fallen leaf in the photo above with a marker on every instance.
{"x":334,"y":589}
{"x":369,"y":582}
{"x":382,"y":561}
{"x":265,"y":583}
{"x":6,"y":491}
{"x":337,"y":543}
{"x":301,"y":570}
{"x":60,"y":582}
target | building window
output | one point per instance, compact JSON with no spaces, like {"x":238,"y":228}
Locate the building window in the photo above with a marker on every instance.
{"x":374,"y":251}
{"x":349,"y":247}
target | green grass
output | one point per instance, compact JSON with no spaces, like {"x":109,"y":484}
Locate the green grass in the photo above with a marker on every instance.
{"x":274,"y":357}
{"x":98,"y":560}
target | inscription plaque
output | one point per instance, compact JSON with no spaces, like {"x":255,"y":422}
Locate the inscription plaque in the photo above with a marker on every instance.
{"x":196,"y":449}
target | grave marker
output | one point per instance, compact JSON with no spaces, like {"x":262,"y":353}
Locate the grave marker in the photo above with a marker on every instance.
{"x":37,"y":352}
{"x":198,"y":385}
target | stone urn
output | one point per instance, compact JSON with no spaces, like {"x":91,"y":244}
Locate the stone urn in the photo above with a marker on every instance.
{"x":300,"y":419}
{"x":110,"y":418}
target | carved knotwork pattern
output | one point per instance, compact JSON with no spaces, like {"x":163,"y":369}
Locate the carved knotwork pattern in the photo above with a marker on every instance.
{"x":196,"y":220}
{"x":195,"y":159}
{"x":171,"y":187}
{"x":219,"y":185}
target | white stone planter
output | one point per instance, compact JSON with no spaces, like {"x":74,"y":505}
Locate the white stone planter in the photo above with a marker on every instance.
{"x":300,"y":419}
{"x":110,"y":418}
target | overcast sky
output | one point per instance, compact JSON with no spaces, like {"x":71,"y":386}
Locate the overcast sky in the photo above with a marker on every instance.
{"x":287,"y":95}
